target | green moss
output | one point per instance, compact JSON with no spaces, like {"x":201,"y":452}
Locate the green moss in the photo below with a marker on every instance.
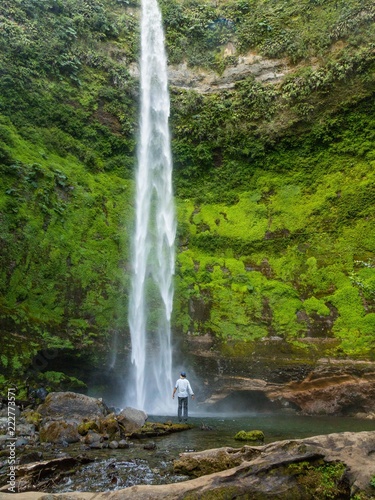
{"x":249,"y":436}
{"x":274,"y":181}
{"x":324,"y":479}
{"x":85,"y":427}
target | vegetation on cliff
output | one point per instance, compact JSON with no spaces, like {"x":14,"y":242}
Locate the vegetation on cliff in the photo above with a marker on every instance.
{"x":274,"y":182}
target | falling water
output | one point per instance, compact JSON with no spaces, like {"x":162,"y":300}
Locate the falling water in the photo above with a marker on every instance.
{"x":151,"y":296}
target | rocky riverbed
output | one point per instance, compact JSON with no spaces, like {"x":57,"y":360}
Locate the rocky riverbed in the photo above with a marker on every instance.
{"x":73,"y":443}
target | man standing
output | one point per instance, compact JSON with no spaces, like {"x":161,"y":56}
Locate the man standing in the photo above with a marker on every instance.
{"x":183,"y":388}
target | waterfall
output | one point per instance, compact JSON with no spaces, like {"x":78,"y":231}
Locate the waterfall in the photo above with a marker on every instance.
{"x":151,"y":295}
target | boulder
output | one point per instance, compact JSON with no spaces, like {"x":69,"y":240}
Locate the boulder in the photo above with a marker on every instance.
{"x":131,"y":419}
{"x":70,"y":405}
{"x":65,"y":416}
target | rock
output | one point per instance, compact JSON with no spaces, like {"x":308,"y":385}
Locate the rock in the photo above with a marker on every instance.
{"x":91,"y":437}
{"x":3,"y":425}
{"x":32,"y":417}
{"x":123,"y":444}
{"x":55,"y":431}
{"x":207,"y":462}
{"x":205,"y":81}
{"x":249,"y":436}
{"x":45,"y":472}
{"x":25,"y":429}
{"x":149,"y":446}
{"x":332,"y":392}
{"x":204,"y":427}
{"x":113,"y":445}
{"x":131,"y":419}
{"x":21,"y":441}
{"x":97,"y":445}
{"x":87,"y":426}
{"x":70,"y":405}
{"x":33,"y":456}
{"x":109,"y":426}
{"x":67,"y":415}
{"x":16,"y":412}
{"x":271,"y":381}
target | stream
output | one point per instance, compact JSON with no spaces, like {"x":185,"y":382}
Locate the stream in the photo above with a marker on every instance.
{"x":120,"y":468}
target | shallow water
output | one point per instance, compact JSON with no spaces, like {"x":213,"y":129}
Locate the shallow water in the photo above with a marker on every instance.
{"x":274,"y":426}
{"x":115,"y":469}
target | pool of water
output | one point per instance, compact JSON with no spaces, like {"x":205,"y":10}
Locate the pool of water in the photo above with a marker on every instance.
{"x":116,"y":469}
{"x":274,"y":426}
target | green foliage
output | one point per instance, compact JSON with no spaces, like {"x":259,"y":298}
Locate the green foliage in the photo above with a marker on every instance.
{"x":274,"y":181}
{"x":199,"y":31}
{"x":58,"y":381}
{"x":62,"y":234}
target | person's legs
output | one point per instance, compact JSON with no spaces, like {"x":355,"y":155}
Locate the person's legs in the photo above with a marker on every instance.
{"x":185,"y":412}
{"x":179,"y":414}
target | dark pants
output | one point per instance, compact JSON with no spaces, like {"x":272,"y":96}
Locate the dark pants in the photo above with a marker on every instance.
{"x":182,"y":409}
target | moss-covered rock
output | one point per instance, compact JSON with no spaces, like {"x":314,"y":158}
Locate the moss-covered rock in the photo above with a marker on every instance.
{"x":59,"y":432}
{"x":153,"y":429}
{"x":85,"y":427}
{"x":109,"y":426}
{"x":32,"y":417}
{"x":249,"y":436}
{"x":196,"y":466}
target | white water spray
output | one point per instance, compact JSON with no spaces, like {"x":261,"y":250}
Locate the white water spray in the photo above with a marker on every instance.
{"x":151,"y":296}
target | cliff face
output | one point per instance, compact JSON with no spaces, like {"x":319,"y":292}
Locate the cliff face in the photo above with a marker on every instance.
{"x":272,"y":119}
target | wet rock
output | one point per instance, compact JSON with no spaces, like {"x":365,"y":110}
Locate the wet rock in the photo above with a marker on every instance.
{"x":45,"y":473}
{"x":204,"y":427}
{"x":131,"y":419}
{"x":33,"y":456}
{"x":97,"y":445}
{"x":149,"y":446}
{"x":123,"y":444}
{"x":153,"y":429}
